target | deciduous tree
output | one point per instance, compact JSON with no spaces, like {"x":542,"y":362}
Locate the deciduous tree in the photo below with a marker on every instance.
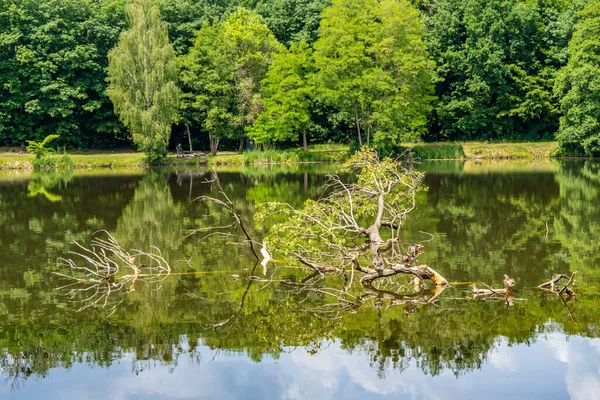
{"x":578,"y":87}
{"x":287,"y":92}
{"x":143,"y":73}
{"x":222,"y":73}
{"x":374,"y":68}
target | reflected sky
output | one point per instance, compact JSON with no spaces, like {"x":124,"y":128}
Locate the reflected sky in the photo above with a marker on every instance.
{"x":554,"y":366}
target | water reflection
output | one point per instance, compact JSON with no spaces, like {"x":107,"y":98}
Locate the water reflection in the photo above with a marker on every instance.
{"x":568,"y":368}
{"x":528,"y":222}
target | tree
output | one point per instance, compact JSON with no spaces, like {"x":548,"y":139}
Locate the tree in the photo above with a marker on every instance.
{"x":497,"y":61}
{"x":142,"y":72}
{"x":221,"y":75}
{"x":52,"y":71}
{"x":250,"y":46}
{"x":292,"y":20}
{"x":374,"y":68}
{"x":578,"y":87}
{"x":287,"y":92}
{"x":207,"y":79}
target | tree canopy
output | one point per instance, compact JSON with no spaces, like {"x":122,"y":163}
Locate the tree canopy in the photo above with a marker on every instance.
{"x":287,"y":91}
{"x":373,"y":66}
{"x":142,"y":71}
{"x":578,"y":87}
{"x":384,"y":72}
{"x":222,"y":72}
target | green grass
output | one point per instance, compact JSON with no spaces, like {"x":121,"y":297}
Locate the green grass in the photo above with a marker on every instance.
{"x":483,"y":150}
{"x":316,"y":153}
{"x":93,"y":161}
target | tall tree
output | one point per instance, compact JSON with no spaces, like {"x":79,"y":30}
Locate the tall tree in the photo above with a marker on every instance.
{"x":250,"y":46}
{"x":374,"y":68}
{"x":53,"y":56}
{"x":287,"y":92}
{"x":497,"y":61}
{"x":142,"y":71}
{"x":221,"y":75}
{"x":209,"y":97}
{"x":578,"y":87}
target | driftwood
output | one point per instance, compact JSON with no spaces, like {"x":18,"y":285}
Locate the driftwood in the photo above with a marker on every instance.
{"x":550,"y":285}
{"x":508,"y":283}
{"x":421,"y":272}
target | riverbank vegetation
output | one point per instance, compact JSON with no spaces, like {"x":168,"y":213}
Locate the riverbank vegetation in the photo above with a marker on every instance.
{"x":283,"y":73}
{"x":320,"y":153}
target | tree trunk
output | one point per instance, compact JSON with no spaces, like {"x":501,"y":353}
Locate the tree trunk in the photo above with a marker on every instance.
{"x":362,"y":117}
{"x":373,"y":231}
{"x":189,"y":136}
{"x":241,"y":147}
{"x":214,"y":143}
{"x":304,"y":141}
{"x":357,"y":125}
{"x":420,"y":271}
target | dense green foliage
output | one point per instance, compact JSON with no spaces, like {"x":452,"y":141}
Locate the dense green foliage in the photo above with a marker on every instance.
{"x":53,"y":57}
{"x":142,"y":72}
{"x":287,"y":91}
{"x":497,"y":60}
{"x":578,"y":87}
{"x":222,"y":72}
{"x":373,"y":67}
{"x":387,"y":72}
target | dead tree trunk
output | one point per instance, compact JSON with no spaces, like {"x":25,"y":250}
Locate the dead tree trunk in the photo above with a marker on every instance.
{"x":372,"y":232}
{"x":420,"y":271}
{"x":551,"y":284}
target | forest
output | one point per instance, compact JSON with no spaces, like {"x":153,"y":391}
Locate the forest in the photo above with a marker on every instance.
{"x":281,"y":73}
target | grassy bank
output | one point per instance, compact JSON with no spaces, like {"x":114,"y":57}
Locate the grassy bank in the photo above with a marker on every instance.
{"x":92,"y":161}
{"x":317,"y":153}
{"x":483,"y":150}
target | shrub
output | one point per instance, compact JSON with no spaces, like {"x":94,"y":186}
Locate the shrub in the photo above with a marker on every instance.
{"x":39,"y":149}
{"x":43,"y":163}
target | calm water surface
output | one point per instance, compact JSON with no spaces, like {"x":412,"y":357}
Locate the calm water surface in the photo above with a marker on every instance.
{"x":208,"y":331}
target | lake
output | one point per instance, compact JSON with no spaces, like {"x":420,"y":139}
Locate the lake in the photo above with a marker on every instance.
{"x":220,"y":326}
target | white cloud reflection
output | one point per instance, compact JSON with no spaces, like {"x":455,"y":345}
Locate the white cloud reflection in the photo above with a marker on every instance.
{"x":582,"y":359}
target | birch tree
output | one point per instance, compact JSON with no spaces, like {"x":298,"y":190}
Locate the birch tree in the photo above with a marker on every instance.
{"x":142,"y":73}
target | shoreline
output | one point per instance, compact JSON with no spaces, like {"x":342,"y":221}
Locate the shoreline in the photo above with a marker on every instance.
{"x":468,"y":151}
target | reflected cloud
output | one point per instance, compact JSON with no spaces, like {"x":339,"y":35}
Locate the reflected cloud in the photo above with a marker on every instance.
{"x":504,"y":360}
{"x":582,"y":357}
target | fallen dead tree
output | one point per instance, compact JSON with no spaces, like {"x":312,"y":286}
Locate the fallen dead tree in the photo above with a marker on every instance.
{"x":351,"y":224}
{"x":105,"y":268}
{"x":551,"y":284}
